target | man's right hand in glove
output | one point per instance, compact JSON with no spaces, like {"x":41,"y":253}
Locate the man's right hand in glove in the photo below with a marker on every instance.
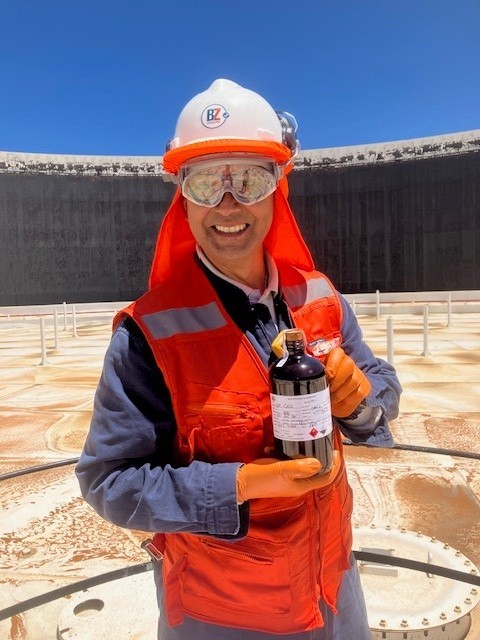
{"x":271,"y":478}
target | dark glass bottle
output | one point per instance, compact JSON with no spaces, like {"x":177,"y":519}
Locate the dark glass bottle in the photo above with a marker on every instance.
{"x":301,"y":413}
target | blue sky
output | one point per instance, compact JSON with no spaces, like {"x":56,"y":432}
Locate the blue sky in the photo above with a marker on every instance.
{"x":110,"y":77}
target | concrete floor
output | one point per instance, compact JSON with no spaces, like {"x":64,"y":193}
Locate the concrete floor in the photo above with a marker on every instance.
{"x":49,"y":537}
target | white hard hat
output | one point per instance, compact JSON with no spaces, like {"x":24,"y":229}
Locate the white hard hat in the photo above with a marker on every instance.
{"x":226,"y":110}
{"x":227,"y":118}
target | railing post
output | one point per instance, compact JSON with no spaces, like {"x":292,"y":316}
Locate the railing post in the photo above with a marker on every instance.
{"x":74,"y":320}
{"x":390,"y":340}
{"x":425,"y":351}
{"x":64,"y":316}
{"x":43,"y":345}
{"x":377,"y":296}
{"x":56,"y":345}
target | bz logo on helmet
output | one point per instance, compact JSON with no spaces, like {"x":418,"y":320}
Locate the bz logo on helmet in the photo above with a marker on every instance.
{"x":214,"y":116}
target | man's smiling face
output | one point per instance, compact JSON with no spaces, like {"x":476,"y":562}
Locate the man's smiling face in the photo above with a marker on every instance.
{"x":231,"y":234}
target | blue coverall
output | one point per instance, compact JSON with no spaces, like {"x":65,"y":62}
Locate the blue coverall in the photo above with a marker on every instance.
{"x":124,"y":470}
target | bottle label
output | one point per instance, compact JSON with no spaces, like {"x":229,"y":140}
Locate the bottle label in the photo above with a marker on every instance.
{"x":305,"y":417}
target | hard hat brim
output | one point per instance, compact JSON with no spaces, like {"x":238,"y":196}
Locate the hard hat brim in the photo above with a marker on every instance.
{"x":175,"y":158}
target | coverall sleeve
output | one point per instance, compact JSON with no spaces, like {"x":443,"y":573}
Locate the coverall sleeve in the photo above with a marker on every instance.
{"x":386,"y":387}
{"x":125,"y":471}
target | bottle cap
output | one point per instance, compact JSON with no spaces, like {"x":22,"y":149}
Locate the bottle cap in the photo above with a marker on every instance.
{"x":293,"y":335}
{"x":286,"y":335}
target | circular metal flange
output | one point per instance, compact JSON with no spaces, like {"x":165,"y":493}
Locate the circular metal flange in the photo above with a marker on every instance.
{"x":408,"y":604}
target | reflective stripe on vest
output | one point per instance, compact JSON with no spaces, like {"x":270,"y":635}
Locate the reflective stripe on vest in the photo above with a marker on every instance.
{"x":165,"y":324}
{"x":298,"y":295}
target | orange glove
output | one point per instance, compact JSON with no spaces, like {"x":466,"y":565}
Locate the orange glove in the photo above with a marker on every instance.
{"x":270,"y":478}
{"x":348,"y":384}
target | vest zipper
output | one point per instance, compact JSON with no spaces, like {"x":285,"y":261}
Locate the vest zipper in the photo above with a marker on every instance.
{"x":228,"y":552}
{"x":317,"y":578}
{"x":219,"y":410}
{"x":266,"y":512}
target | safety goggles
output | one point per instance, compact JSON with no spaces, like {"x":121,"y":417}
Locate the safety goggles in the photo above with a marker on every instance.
{"x":249,"y":180}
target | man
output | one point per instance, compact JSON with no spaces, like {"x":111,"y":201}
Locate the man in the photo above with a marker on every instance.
{"x":180,"y":444}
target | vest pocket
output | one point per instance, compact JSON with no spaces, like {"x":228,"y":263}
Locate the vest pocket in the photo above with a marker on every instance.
{"x":273,"y":569}
{"x":238,"y":574}
{"x":220,"y":432}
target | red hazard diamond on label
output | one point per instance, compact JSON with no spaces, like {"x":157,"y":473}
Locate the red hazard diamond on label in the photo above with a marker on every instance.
{"x":313,"y":432}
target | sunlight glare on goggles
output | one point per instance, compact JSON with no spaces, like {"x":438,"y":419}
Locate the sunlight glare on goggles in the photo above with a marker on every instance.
{"x":248,"y":180}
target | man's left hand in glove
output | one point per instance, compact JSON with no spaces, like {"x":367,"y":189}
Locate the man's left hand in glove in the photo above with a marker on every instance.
{"x":348,"y":384}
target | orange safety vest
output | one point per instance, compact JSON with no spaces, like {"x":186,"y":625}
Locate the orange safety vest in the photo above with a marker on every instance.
{"x":297,"y":548}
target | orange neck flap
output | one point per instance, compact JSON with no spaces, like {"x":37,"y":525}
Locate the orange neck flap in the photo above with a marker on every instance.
{"x":175,"y":240}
